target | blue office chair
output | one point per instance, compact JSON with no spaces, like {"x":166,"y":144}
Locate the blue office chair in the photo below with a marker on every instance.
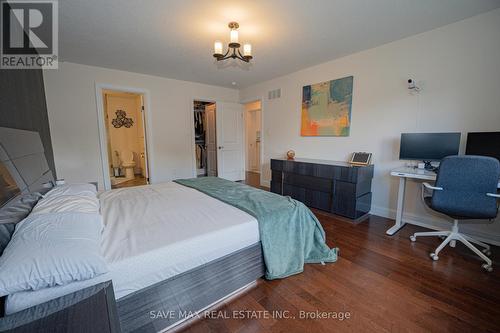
{"x":465,"y":189}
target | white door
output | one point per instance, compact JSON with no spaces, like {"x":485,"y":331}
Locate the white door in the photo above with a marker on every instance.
{"x":211,"y":140}
{"x":230,"y":150}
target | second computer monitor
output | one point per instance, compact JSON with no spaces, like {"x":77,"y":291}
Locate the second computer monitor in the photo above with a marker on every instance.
{"x":483,"y":143}
{"x":428,"y":146}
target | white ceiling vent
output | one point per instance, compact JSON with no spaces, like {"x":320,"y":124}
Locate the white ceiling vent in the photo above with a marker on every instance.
{"x":273,"y":94}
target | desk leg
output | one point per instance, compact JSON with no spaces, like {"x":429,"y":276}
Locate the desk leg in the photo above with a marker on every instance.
{"x":399,"y":213}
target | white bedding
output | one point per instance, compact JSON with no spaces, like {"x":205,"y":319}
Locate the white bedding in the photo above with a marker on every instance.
{"x":155,"y":232}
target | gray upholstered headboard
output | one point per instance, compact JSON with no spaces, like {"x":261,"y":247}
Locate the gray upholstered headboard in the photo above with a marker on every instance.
{"x":22,"y":156}
{"x":23,"y":170}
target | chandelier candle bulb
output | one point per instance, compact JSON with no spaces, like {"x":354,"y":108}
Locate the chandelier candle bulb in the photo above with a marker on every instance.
{"x":218,"y":47}
{"x":247,"y":50}
{"x":234,"y":36}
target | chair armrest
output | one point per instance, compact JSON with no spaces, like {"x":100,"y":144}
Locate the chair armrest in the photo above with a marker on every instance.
{"x":493,"y":195}
{"x":433,"y":188}
{"x":427,"y":189}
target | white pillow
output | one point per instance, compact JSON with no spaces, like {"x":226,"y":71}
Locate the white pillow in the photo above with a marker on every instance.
{"x":52,"y":249}
{"x":83,"y":189}
{"x":67,"y":203}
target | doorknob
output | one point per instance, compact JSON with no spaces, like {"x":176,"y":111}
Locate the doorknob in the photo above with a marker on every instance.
{"x":221,"y":147}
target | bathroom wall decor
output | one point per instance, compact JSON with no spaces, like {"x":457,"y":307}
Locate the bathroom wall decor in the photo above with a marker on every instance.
{"x":122,"y":120}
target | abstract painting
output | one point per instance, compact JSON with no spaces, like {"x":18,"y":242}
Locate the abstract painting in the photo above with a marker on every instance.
{"x":326,"y":108}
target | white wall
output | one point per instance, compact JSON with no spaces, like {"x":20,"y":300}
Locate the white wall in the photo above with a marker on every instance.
{"x":72,"y":111}
{"x":458,"y":67}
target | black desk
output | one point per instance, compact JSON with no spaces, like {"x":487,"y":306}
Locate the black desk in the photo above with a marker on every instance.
{"x":336,"y":187}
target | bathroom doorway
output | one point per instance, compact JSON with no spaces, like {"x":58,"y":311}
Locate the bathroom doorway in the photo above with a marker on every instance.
{"x":124,"y":119}
{"x":205,"y":138}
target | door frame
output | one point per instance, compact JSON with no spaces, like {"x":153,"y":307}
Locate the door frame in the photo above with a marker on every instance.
{"x":191,"y":121}
{"x":261,"y":153}
{"x":148,"y":142}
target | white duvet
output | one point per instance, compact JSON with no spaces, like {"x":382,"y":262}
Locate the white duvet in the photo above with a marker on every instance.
{"x":147,"y":218}
{"x":154,"y":232}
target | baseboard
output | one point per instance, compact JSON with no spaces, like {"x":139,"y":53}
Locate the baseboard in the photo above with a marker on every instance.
{"x":265,"y":183}
{"x":435,"y":224}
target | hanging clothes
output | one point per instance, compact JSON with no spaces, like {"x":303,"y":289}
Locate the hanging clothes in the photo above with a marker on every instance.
{"x":199,"y":131}
{"x":199,"y":124}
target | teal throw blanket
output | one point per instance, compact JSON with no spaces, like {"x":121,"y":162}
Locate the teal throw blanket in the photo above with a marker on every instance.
{"x":289,"y":232}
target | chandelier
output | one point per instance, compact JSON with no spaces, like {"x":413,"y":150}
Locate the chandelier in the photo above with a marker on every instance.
{"x":233,"y":50}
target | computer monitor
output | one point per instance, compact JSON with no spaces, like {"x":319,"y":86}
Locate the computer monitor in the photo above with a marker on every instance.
{"x":483,"y":143}
{"x":428,"y":147}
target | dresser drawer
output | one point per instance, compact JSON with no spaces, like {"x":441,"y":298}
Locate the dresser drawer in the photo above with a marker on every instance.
{"x":308,"y":182}
{"x":311,"y":198}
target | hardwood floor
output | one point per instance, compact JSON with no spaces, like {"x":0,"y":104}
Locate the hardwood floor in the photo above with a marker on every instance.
{"x":137,"y":181}
{"x":252,"y":179}
{"x":386,"y":284}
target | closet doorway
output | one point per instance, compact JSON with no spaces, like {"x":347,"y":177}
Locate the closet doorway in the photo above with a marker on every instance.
{"x":205,"y":138}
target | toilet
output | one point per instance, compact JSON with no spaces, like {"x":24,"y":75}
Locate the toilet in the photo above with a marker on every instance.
{"x":128,"y":164}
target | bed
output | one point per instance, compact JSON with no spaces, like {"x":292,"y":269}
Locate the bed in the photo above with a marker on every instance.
{"x":164,"y":237}
{"x":164,"y":247}
{"x":161,"y":233}
{"x":180,"y":246}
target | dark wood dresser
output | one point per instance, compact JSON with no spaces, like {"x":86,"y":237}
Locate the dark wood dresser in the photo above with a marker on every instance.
{"x":336,"y":187}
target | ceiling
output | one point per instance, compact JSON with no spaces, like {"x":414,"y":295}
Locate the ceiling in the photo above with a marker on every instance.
{"x":175,"y":38}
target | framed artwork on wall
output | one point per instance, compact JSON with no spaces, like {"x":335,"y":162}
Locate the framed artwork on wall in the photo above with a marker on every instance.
{"x":326,"y":108}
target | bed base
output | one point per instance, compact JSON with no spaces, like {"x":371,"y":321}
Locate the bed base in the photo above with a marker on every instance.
{"x":183,"y":324}
{"x":171,"y":302}
{"x":158,"y":308}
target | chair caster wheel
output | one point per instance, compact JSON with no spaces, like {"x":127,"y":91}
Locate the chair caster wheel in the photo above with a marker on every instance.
{"x":434,"y":256}
{"x":413,"y":238}
{"x":488,"y":268}
{"x":487,"y":252}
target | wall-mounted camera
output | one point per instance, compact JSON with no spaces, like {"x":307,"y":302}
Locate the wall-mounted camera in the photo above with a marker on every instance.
{"x":412,"y":86}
